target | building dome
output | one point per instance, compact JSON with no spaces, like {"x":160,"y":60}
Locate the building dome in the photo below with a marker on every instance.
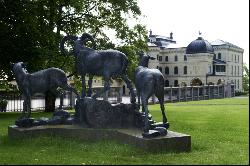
{"x":199,"y":46}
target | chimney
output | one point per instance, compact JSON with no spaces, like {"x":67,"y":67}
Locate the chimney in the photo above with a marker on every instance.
{"x":171,"y":35}
{"x":150,"y":32}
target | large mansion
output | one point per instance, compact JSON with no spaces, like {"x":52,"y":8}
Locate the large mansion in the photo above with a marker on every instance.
{"x":198,"y":63}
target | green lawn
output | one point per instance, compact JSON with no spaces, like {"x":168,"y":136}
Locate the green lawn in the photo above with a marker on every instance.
{"x":219,"y":129}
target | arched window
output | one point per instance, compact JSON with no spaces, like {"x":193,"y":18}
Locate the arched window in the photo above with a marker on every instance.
{"x":166,"y":83}
{"x":214,"y":56}
{"x":175,"y":58}
{"x":196,"y":82}
{"x":166,"y":58}
{"x":185,"y":70}
{"x":219,"y":55}
{"x":175,"y":70}
{"x":160,"y":58}
{"x":175,"y":83}
{"x":166,"y":70}
{"x":185,"y":57}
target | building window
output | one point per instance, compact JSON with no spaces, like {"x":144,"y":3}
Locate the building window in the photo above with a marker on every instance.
{"x":157,"y":67}
{"x":185,"y":70}
{"x":238,"y":84}
{"x":219,"y":55}
{"x":232,"y":58}
{"x":166,"y":70}
{"x":166,"y":58}
{"x":157,"y":57}
{"x":232,"y":72}
{"x":235,"y":58}
{"x":160,"y":69}
{"x":214,"y":56}
{"x":185,"y":57}
{"x":166,"y":83}
{"x":175,"y":70}
{"x":160,"y":58}
{"x":220,"y":68}
{"x":235,"y":70}
{"x":175,"y":58}
{"x":238,"y":58}
{"x":238,"y":70}
{"x":175,"y":83}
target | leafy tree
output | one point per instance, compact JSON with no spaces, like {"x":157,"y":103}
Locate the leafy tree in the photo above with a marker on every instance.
{"x":31,"y":30}
{"x":245,"y":78}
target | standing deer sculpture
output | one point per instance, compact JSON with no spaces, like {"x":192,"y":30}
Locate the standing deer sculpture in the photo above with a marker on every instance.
{"x":106,"y":63}
{"x":149,"y":82}
{"x":39,"y":82}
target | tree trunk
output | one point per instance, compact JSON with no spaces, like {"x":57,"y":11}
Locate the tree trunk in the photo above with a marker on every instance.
{"x":50,"y":100}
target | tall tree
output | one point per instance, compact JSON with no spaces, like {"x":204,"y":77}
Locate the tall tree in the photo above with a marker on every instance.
{"x":31,"y":30}
{"x":245,"y":78}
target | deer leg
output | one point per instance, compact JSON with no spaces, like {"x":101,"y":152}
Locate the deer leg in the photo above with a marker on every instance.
{"x":106,"y":88}
{"x":61,"y":100}
{"x":90,"y":85}
{"x":145,"y":107}
{"x":24,"y":107}
{"x":161,"y":101}
{"x":130,"y":87}
{"x":83,"y":86}
{"x":71,"y":89}
{"x":29,"y":105}
{"x":138,"y":95}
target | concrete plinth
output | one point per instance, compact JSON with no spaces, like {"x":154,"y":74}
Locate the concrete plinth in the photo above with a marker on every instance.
{"x":173,"y":141}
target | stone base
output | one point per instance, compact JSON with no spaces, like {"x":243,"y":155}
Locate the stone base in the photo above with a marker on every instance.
{"x":173,"y":141}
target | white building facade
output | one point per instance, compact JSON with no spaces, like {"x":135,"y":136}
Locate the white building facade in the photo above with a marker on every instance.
{"x":199,"y":63}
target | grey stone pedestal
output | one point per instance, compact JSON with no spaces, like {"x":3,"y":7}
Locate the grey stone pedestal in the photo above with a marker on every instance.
{"x":173,"y":141}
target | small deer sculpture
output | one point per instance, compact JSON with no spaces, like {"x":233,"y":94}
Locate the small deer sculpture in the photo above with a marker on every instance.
{"x":106,"y":63}
{"x":50,"y":79}
{"x":149,"y":82}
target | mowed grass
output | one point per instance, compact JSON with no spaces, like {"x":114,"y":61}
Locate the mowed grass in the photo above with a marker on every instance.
{"x":219,"y":129}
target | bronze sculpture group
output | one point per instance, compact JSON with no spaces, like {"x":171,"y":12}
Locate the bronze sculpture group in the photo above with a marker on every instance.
{"x":105,"y":63}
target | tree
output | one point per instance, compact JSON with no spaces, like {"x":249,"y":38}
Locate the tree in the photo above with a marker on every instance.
{"x":245,"y":78}
{"x":30,"y":31}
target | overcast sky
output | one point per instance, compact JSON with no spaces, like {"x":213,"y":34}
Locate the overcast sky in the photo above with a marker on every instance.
{"x":227,"y":20}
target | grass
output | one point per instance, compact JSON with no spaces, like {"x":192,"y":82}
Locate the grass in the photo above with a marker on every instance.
{"x":219,"y":129}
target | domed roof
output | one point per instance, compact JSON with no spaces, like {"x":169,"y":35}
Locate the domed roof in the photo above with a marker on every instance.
{"x":199,"y":46}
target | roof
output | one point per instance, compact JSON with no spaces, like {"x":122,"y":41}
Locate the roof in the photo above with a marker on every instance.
{"x":151,"y":44}
{"x":199,"y":46}
{"x":220,"y":42}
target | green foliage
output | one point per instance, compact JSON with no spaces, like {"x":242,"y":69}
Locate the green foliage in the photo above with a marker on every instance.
{"x":4,"y":85}
{"x":31,"y":31}
{"x":245,"y":78}
{"x":3,"y":103}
